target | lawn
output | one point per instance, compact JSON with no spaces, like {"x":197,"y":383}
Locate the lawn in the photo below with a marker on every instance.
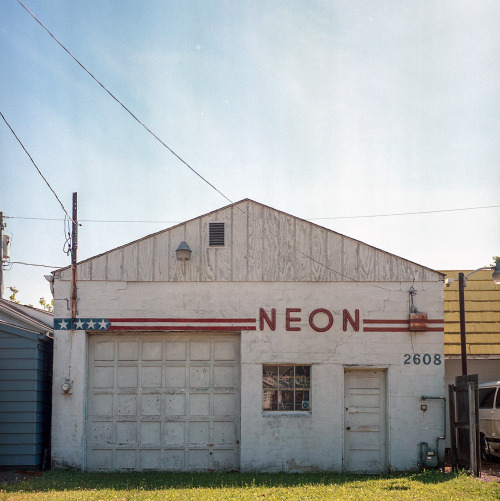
{"x":71,"y":485}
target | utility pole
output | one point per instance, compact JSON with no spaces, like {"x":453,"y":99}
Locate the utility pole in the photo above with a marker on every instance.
{"x":1,"y":255}
{"x":74,"y":247}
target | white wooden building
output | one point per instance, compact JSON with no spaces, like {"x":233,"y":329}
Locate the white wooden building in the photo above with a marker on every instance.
{"x":280,"y":345}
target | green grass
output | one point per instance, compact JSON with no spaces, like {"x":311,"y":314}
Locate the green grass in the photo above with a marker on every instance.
{"x":73,"y":485}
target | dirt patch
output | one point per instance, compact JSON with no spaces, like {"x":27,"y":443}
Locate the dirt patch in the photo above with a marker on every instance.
{"x":10,"y":477}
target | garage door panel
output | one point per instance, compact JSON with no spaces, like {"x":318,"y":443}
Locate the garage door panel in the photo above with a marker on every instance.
{"x":103,"y":377}
{"x":163,"y":402}
{"x":126,"y":432}
{"x":175,"y":377}
{"x":199,"y":432}
{"x":175,"y":433}
{"x":125,"y":459}
{"x":199,"y":404}
{"x":224,"y":377}
{"x":151,"y":405}
{"x":174,"y":459}
{"x":127,"y":377}
{"x":151,"y":377}
{"x":224,"y":404}
{"x":152,"y":351}
{"x":200,"y":350}
{"x":224,"y":433}
{"x":128,"y":350}
{"x":101,"y":432}
{"x":198,"y":459}
{"x":199,"y":377}
{"x":176,"y":350}
{"x":224,"y":350}
{"x":175,"y":405}
{"x":150,"y":459}
{"x":102,"y":405}
{"x":105,"y":350}
{"x":150,"y":432}
{"x":127,"y":405}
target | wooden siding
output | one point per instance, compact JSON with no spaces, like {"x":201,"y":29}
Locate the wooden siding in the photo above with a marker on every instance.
{"x":262,"y":244}
{"x":482,"y":315}
{"x":25,"y":396}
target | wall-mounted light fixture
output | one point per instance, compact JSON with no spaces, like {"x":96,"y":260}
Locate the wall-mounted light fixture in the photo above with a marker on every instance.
{"x":183,"y":252}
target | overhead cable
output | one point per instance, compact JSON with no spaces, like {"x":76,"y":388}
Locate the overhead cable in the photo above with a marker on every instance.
{"x":307,"y":219}
{"x":126,"y":108}
{"x":36,"y":166}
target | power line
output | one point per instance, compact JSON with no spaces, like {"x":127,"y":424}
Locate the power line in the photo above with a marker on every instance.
{"x":31,"y":264}
{"x":308,"y":219}
{"x":405,"y":213}
{"x":36,"y":166}
{"x":180,"y":158}
{"x":125,"y":107}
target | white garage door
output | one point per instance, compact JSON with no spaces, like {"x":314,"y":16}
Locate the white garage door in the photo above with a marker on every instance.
{"x":163,"y":402}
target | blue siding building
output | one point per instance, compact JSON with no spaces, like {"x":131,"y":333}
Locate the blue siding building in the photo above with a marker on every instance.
{"x":26,"y":340}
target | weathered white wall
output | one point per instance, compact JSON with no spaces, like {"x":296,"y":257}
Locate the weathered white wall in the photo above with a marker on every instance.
{"x":274,"y":442}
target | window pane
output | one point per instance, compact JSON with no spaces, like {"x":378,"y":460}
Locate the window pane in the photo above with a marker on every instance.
{"x":302,"y":401}
{"x":285,"y":402}
{"x":270,"y":400}
{"x":270,"y":376}
{"x":287,"y":376}
{"x":486,"y":396}
{"x":302,"y":376}
{"x":497,"y":405}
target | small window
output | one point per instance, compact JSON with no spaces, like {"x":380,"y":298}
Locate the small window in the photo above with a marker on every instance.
{"x":486,"y":398}
{"x":286,"y":387}
{"x":216,"y":234}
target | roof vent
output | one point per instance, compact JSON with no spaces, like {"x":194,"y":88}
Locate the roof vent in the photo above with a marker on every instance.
{"x":216,"y":234}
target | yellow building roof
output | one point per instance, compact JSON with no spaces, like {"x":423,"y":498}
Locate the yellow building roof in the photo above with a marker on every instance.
{"x":482,"y":315}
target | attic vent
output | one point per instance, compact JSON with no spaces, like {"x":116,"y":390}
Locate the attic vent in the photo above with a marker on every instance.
{"x":215,"y":234}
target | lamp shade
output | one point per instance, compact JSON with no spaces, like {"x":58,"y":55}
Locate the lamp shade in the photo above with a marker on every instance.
{"x":183,"y":252}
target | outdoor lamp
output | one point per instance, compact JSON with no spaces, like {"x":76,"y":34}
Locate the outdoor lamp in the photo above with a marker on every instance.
{"x":183,"y":252}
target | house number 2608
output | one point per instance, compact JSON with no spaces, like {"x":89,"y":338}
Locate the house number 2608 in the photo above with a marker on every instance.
{"x":426,"y":359}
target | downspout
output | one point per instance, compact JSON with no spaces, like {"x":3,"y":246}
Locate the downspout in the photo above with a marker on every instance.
{"x":443,"y":437}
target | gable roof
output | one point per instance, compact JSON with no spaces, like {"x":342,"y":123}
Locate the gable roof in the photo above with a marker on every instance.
{"x":21,"y":316}
{"x":263,"y":244}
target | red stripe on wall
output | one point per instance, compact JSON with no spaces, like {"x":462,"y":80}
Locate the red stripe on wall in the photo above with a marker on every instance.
{"x":180,"y":328}
{"x":379,"y":321}
{"x":400,"y":329}
{"x":185,"y":320}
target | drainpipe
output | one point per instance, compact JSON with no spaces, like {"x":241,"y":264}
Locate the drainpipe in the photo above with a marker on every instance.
{"x":443,"y":437}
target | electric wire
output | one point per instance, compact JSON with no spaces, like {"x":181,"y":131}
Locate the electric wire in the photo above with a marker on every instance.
{"x":406,"y":213}
{"x":181,"y":159}
{"x":32,"y":264}
{"x":36,"y":166}
{"x":147,"y":221}
{"x":125,"y":107}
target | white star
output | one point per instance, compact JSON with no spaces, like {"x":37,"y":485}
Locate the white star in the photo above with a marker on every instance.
{"x":79,"y":324}
{"x":90,"y":324}
{"x":63,"y":324}
{"x":103,"y":324}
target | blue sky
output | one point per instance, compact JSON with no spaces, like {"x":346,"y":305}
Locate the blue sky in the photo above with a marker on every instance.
{"x":317,"y":108}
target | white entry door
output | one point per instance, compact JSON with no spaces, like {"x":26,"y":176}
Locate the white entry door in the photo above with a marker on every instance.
{"x":163,"y":402}
{"x":365,"y":421}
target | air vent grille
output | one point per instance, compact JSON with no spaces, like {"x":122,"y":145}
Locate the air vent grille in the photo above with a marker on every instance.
{"x":215,"y":234}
